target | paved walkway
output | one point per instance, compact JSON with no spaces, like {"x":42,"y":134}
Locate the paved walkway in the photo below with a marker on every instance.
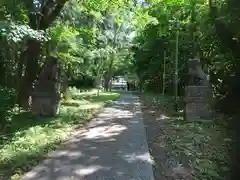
{"x":113,"y":146}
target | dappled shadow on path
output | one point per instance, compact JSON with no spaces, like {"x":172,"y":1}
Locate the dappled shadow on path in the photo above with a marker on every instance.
{"x":112,"y":146}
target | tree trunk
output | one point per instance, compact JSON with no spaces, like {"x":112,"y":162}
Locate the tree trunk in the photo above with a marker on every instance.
{"x":109,"y":75}
{"x":106,"y":82}
{"x":46,"y":96}
{"x":19,"y":73}
{"x":32,"y":55}
{"x":193,"y":29}
{"x":97,"y":84}
{"x":2,"y":67}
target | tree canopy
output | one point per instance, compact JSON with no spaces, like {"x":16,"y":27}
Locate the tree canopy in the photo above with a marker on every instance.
{"x":104,"y":38}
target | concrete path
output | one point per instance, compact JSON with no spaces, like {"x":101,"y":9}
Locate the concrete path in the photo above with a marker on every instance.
{"x":113,"y":146}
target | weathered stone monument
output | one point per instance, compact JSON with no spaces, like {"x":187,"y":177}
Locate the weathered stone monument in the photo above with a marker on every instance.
{"x":198,"y":93}
{"x":46,"y":96}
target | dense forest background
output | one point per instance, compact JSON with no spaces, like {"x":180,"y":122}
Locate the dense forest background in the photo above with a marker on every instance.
{"x":105,"y":39}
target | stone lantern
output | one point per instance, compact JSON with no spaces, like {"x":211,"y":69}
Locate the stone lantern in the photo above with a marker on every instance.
{"x":198,"y":93}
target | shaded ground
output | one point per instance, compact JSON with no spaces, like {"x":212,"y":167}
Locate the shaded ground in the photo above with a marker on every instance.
{"x":112,"y":146}
{"x":181,"y":149}
{"x":27,"y":139}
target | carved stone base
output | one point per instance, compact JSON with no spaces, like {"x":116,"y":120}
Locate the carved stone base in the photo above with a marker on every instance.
{"x":45,"y":105}
{"x":198,"y":103}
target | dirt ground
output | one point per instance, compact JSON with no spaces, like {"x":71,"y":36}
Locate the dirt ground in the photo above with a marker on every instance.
{"x":182,"y":150}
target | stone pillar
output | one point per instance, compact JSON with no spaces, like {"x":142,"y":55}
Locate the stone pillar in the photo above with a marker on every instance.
{"x":198,"y":103}
{"x":198,"y":94}
{"x":46,"y":96}
{"x":45,"y":104}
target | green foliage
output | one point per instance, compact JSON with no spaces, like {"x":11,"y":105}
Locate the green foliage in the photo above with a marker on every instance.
{"x":197,"y":33}
{"x":18,"y":33}
{"x":30,"y":137}
{"x":90,"y":38}
{"x":8,"y":100}
{"x":203,"y":143}
{"x":65,"y":44}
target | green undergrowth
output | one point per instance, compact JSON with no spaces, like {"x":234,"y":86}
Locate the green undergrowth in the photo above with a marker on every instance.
{"x":27,"y":139}
{"x":203,"y":144}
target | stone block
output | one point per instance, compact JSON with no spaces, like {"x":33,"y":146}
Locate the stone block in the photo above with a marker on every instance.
{"x":198,"y":103}
{"x":45,"y":105}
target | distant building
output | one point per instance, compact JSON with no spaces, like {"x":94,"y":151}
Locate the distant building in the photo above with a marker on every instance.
{"x":119,"y":83}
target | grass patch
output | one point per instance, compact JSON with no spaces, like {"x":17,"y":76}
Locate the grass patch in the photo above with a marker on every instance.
{"x":28,"y":139}
{"x":201,"y":145}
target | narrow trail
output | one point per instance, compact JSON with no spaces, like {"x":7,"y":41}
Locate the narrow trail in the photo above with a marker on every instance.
{"x":112,"y":146}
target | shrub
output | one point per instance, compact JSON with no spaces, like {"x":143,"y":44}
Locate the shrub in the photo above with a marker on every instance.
{"x":8,"y":100}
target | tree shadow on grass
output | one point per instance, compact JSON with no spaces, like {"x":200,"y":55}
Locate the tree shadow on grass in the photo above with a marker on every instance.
{"x":20,"y":122}
{"x":24,"y":161}
{"x":17,"y":164}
